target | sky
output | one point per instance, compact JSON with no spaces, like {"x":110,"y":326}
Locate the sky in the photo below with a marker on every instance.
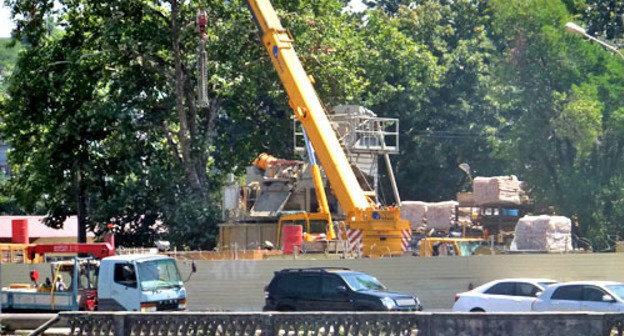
{"x":5,"y":22}
{"x":6,"y":25}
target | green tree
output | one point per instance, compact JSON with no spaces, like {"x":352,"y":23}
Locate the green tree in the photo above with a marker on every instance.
{"x":8,"y":57}
{"x":566,"y":96}
{"x":105,"y":121}
{"x":439,"y":87}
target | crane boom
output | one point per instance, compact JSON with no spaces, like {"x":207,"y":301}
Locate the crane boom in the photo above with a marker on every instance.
{"x":308,"y":109}
{"x":381,"y":230}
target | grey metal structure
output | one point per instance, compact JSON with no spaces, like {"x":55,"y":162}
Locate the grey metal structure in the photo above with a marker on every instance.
{"x":364,"y":136}
{"x":344,"y":324}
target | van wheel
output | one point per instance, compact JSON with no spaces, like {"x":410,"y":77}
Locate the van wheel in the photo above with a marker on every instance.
{"x":477,"y":310}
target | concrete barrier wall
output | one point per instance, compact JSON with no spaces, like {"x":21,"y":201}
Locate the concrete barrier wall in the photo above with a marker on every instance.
{"x":346,"y":323}
{"x":239,"y":285}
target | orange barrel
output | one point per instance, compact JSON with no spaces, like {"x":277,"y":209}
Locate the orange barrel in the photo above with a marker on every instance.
{"x":20,"y":231}
{"x":292,"y":237}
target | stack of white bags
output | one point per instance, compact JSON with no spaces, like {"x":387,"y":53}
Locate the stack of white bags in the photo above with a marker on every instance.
{"x":543,"y":233}
{"x":435,"y":215}
{"x":496,"y":190}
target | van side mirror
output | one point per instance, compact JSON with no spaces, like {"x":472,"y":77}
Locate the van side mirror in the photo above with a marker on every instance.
{"x":608,"y":298}
{"x":341,"y":289}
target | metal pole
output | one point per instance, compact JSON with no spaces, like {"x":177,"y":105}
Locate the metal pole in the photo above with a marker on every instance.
{"x":604,"y":44}
{"x":44,"y":326}
{"x":395,"y":189}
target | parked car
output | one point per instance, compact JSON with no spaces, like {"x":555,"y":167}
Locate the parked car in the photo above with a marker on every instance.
{"x":603,"y":296}
{"x":509,"y":295}
{"x":333,"y":289}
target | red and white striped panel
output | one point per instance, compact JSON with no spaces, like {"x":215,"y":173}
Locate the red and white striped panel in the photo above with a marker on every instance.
{"x":406,"y":237}
{"x":354,"y":237}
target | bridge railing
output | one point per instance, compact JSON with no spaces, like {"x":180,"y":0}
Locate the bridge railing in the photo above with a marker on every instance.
{"x":342,"y":324}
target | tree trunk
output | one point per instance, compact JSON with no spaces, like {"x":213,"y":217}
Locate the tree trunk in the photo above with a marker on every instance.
{"x":81,"y":206}
{"x":184,"y":133}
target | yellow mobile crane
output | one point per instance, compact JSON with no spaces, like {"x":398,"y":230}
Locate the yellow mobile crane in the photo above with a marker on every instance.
{"x":375,"y":230}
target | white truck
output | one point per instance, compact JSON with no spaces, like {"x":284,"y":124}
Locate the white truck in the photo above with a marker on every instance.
{"x":145,"y":283}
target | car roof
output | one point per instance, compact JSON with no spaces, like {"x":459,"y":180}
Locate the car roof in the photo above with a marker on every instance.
{"x":524,"y":280}
{"x":487,"y":285}
{"x":137,"y":257}
{"x":590,"y":282}
{"x":336,"y":270}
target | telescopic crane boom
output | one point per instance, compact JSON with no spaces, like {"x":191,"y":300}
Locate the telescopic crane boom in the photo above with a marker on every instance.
{"x":381,"y":229}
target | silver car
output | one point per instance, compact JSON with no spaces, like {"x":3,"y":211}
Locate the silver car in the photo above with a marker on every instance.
{"x":599,"y":296}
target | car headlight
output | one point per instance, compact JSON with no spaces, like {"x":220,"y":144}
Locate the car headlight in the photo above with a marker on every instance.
{"x":388,"y":303}
{"x":182,"y":304}
{"x":148,"y":307}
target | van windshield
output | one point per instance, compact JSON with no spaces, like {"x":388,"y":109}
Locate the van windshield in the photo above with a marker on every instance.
{"x":361,"y":282}
{"x":158,"y":274}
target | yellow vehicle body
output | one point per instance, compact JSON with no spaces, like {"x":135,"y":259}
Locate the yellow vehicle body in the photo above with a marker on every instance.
{"x":434,"y":246}
{"x":381,"y":227}
{"x":16,"y":254}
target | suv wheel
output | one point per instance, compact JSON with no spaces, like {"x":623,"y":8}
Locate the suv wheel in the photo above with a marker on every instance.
{"x":477,"y":310}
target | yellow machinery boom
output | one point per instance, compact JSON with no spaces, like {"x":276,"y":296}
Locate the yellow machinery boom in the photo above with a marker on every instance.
{"x":382,"y":230}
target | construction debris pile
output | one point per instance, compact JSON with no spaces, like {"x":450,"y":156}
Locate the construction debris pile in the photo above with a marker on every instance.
{"x":427,"y":215}
{"x":497,"y":190}
{"x":543,"y":233}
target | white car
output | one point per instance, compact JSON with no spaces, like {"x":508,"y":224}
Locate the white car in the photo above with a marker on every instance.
{"x":599,"y":296}
{"x":506,"y":295}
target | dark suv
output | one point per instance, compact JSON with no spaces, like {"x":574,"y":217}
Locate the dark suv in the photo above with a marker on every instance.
{"x":332,"y":289}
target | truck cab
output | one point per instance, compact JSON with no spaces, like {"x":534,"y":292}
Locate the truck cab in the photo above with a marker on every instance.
{"x":145,"y":283}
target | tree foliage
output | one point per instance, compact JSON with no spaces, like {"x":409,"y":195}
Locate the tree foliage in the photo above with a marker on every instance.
{"x":103,"y":116}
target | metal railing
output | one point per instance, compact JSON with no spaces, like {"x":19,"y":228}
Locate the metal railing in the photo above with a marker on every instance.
{"x":359,"y":134}
{"x":341,"y":323}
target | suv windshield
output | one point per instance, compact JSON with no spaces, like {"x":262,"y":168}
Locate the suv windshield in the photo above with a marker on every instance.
{"x":361,"y":281}
{"x":157,"y":274}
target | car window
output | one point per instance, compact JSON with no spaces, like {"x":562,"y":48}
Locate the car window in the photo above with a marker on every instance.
{"x":593,"y":293}
{"x":125,"y":274}
{"x":286,"y":284}
{"x":298,"y":284}
{"x":502,"y":288}
{"x":617,"y":289}
{"x":330,"y":285}
{"x":309,"y":284}
{"x":571,"y":292}
{"x":526,"y":289}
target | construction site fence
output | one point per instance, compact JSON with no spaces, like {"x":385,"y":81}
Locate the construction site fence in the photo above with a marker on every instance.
{"x":343,"y":323}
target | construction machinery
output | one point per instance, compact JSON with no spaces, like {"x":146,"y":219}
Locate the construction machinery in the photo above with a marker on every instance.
{"x":102,"y":281}
{"x":372,"y":229}
{"x":449,"y":246}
